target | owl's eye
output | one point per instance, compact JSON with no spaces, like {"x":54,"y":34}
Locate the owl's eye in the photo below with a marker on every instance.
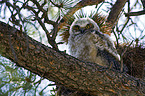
{"x":76,"y":28}
{"x":90,"y":25}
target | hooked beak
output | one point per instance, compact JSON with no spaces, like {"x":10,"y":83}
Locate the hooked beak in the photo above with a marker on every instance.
{"x":82,"y":30}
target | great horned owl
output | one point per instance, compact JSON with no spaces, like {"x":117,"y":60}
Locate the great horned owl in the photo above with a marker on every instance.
{"x":86,"y":42}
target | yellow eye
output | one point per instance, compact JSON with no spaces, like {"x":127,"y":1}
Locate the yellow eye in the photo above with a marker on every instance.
{"x":76,"y":27}
{"x":88,"y":26}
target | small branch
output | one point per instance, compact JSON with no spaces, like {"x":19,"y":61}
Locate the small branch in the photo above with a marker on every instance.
{"x":135,"y":13}
{"x":143,"y":3}
{"x":116,"y":38}
{"x":124,"y":25}
{"x":51,"y":40}
{"x":142,"y":12}
{"x":128,"y":6}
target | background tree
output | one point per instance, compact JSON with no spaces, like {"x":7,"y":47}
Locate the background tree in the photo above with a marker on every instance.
{"x":42,"y":20}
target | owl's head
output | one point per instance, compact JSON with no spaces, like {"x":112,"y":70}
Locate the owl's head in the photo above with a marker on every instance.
{"x":83,"y":25}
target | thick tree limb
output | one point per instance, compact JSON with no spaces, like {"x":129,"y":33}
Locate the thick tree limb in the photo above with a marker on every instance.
{"x":115,"y":11}
{"x":64,"y":69}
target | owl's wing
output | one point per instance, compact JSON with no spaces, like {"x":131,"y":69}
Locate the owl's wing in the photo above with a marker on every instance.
{"x":107,"y":51}
{"x":104,"y":42}
{"x":108,"y":59}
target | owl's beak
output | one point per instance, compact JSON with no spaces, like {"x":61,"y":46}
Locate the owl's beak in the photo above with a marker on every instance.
{"x":82,"y":30}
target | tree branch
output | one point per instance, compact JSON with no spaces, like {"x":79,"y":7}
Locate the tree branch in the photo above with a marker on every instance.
{"x":115,"y":11}
{"x":143,"y":3}
{"x":135,"y":13}
{"x":64,"y":69}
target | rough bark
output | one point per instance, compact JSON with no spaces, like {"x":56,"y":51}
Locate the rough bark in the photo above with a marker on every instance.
{"x":64,"y":69}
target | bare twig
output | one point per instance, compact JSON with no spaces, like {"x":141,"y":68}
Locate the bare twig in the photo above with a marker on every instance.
{"x":135,"y":13}
{"x":117,"y":44}
{"x":143,"y":3}
{"x":142,"y":12}
{"x":124,"y":25}
{"x":51,"y":40}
